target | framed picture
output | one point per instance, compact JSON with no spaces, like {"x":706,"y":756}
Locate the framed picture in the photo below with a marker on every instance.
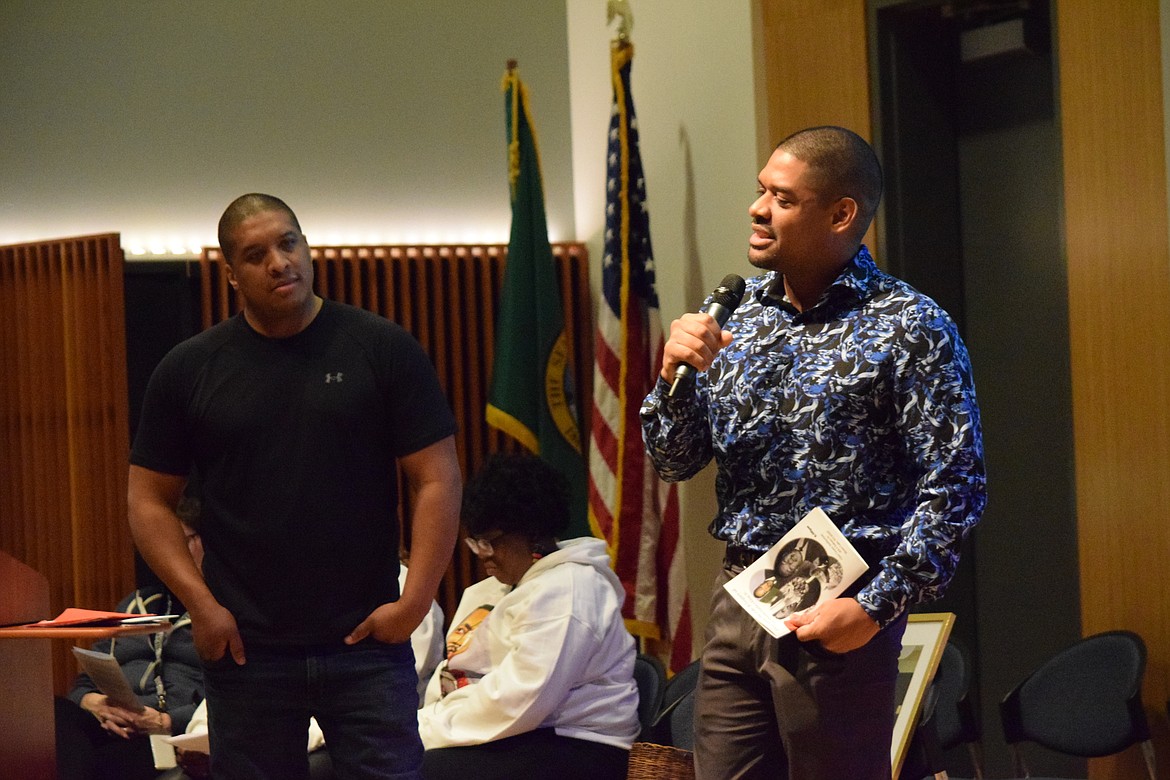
{"x":922,"y":647}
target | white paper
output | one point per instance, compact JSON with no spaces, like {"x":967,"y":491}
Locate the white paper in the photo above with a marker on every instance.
{"x":196,"y":740}
{"x":103,"y":669}
{"x":163,"y":752}
{"x":149,"y":619}
{"x":812,"y":563}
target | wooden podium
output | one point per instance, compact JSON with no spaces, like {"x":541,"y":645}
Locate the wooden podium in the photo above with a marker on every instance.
{"x":28,"y":746}
{"x":27,"y":749}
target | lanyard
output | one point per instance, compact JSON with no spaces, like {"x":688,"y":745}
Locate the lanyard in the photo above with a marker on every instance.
{"x":158,"y":640}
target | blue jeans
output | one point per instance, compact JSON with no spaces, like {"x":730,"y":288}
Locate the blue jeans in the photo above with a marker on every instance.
{"x":364,"y":698}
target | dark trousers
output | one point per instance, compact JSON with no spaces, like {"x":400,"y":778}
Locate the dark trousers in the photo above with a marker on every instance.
{"x":786,"y":710}
{"x":85,"y":751}
{"x":539,"y":753}
{"x":364,"y":697}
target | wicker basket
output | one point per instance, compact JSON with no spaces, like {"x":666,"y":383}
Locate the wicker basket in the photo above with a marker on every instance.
{"x":649,"y":761}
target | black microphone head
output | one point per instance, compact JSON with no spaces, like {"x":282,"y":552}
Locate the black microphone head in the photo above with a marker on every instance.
{"x":724,"y":299}
{"x":729,"y":292}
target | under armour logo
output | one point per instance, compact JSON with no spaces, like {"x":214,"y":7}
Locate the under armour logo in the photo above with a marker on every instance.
{"x":332,"y":377}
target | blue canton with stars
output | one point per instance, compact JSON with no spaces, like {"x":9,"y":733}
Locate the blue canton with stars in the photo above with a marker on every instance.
{"x":641,"y":260}
{"x":863,"y":405}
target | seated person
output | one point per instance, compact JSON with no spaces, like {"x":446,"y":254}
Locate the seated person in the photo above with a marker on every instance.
{"x":98,"y":740}
{"x":538,"y":678}
{"x":428,"y":646}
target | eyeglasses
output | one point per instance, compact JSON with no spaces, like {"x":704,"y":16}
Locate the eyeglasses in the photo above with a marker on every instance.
{"x":482,"y":546}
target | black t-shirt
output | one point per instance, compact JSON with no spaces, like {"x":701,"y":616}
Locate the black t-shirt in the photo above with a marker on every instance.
{"x":295,"y":443}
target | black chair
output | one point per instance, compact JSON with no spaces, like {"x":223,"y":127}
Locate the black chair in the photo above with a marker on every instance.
{"x":650,"y":677}
{"x":673,"y":724}
{"x":956,"y":719}
{"x":663,"y":751}
{"x":680,"y":685}
{"x":946,"y":720}
{"x":924,"y":755}
{"x":682,"y":721}
{"x":1084,"y":701}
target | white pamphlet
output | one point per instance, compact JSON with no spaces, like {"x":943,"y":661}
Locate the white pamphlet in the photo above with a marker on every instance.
{"x":197,"y":740}
{"x":107,"y":675}
{"x":812,"y":563}
{"x":162,"y":751}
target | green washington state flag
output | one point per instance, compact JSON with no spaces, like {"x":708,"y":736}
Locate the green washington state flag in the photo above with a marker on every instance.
{"x":532,"y":393}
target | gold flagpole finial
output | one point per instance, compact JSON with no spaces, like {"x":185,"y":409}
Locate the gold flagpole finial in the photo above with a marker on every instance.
{"x":620,"y":8}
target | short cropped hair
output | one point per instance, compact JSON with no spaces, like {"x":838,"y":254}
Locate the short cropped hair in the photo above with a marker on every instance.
{"x":841,"y":164}
{"x":517,"y":493}
{"x":242,"y":208}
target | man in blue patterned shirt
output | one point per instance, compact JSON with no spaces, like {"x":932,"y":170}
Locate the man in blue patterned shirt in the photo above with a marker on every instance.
{"x":836,"y":386}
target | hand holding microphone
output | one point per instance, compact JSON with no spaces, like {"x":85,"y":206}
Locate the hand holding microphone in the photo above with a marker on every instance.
{"x":723,"y":301}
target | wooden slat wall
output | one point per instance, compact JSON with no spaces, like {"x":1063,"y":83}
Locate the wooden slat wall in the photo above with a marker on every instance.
{"x":830,"y":35}
{"x":64,"y":422}
{"x":446,"y":296}
{"x":1112,"y":121}
{"x":834,"y":89}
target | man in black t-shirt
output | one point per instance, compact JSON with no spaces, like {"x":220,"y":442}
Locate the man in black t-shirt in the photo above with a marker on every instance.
{"x":296,"y":414}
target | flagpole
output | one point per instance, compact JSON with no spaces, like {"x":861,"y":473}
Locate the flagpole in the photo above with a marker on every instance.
{"x":620,"y":9}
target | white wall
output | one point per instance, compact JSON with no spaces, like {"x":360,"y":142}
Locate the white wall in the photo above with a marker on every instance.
{"x":693,"y":82}
{"x":376,"y":121}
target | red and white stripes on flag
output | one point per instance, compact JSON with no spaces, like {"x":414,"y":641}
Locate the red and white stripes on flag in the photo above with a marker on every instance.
{"x":635,"y":512}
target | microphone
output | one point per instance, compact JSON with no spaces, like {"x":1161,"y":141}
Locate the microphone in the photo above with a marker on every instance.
{"x":723,"y":302}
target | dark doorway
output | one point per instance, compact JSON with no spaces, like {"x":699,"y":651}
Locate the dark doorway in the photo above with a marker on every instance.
{"x":968,"y":132}
{"x":162,"y":309}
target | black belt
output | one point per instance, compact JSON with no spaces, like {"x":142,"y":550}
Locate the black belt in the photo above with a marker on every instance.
{"x":740,"y":557}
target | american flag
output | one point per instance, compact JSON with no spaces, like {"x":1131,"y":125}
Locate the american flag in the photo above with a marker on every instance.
{"x":635,"y":512}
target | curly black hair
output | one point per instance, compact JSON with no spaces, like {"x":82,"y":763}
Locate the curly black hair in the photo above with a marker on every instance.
{"x":516,"y":493}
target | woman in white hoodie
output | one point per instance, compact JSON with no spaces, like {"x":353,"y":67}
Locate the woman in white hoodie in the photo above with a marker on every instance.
{"x":538,"y":677}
